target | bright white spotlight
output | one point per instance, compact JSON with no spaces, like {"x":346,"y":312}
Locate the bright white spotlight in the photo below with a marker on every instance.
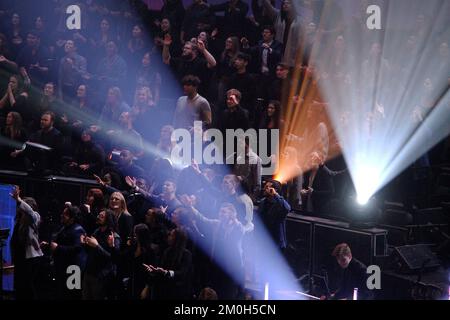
{"x":266,"y":291}
{"x":366,"y":179}
{"x":355,"y":294}
{"x":362,"y":199}
{"x":382,"y":116}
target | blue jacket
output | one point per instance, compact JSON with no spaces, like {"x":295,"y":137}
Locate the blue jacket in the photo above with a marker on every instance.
{"x":273,"y":212}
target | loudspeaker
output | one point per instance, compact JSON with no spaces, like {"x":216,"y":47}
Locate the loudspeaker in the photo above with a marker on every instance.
{"x":414,"y":258}
{"x":298,"y":250}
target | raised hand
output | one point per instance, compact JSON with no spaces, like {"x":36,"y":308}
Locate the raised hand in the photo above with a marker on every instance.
{"x":131,"y":181}
{"x":272,"y":192}
{"x":152,"y":187}
{"x":186,"y":200}
{"x":99,"y":180}
{"x":201,"y":46}
{"x":163,"y":209}
{"x":194,"y":165}
{"x":234,"y":99}
{"x":15,"y":193}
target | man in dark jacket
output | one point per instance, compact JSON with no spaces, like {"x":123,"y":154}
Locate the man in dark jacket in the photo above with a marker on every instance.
{"x":103,"y":249}
{"x":88,"y":158}
{"x":266,"y":54}
{"x":234,"y":117}
{"x":354,"y":275}
{"x":273,"y":210}
{"x":68,"y":251}
{"x":41,"y":159}
{"x":318,"y":186}
{"x":233,"y":22}
{"x":243,"y":81}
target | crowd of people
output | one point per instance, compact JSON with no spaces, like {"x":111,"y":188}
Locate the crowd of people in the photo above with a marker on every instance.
{"x":102,"y":102}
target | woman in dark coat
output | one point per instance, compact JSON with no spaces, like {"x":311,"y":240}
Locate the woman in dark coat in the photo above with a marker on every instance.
{"x":172,"y":279}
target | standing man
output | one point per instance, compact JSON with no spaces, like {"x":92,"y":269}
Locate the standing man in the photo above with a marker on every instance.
{"x":25,"y":249}
{"x":34,"y":59}
{"x":267,"y":53}
{"x":67,"y":250}
{"x":192,"y":107}
{"x":195,"y":60}
{"x":72,"y":69}
{"x":243,"y":81}
{"x":234,"y":18}
{"x":249,"y":167}
{"x":273,"y":211}
{"x":234,"y":117}
{"x":45,"y":160}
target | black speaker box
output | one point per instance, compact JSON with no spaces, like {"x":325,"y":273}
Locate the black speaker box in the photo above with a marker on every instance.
{"x":414,"y":258}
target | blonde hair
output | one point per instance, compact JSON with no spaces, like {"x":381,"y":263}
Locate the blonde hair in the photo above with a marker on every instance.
{"x":123,"y":203}
{"x":147,"y":90}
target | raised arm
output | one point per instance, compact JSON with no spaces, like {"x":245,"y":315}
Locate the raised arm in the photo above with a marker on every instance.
{"x":25,"y":207}
{"x":12,"y":64}
{"x":208,"y":56}
{"x":187,"y":202}
{"x":11,"y":98}
{"x":271,"y":10}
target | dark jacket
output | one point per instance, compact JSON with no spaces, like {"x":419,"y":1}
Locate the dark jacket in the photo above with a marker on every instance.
{"x":125,"y":227}
{"x":176,"y":287}
{"x":233,"y":22}
{"x":69,"y":250}
{"x":323,"y":190}
{"x":46,"y":159}
{"x":273,"y":214}
{"x":354,"y":276}
{"x":235,"y":120}
{"x":273,"y":56}
{"x":91,"y":154}
{"x":101,"y":261}
{"x":138,"y":274}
